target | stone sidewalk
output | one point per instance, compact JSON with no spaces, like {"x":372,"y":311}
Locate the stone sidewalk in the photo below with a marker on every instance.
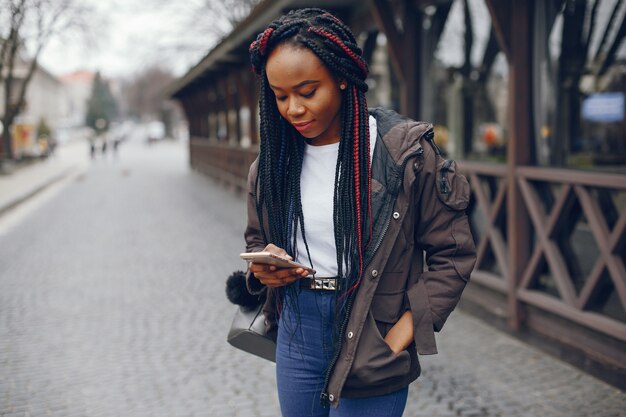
{"x":482,"y":372}
{"x":26,"y":181}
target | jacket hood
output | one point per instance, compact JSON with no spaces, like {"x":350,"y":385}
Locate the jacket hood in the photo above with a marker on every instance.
{"x":400,"y":134}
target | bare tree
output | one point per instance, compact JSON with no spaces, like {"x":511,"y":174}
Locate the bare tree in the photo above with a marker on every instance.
{"x":26,"y":28}
{"x":142,"y":94}
{"x":226,"y":14}
{"x":194,"y":27}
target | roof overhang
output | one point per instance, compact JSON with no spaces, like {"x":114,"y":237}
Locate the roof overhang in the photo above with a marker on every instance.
{"x":231,"y":49}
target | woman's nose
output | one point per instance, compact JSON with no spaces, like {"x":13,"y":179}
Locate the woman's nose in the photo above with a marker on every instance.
{"x":295,"y":108}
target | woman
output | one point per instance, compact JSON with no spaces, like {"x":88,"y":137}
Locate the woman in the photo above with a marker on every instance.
{"x":360,"y":196}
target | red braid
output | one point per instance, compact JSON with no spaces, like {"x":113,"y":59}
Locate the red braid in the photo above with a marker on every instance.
{"x":347,"y":50}
{"x":369,"y":175}
{"x":357,"y":190}
{"x":335,"y":18}
{"x":264,"y":38}
{"x":357,"y":177}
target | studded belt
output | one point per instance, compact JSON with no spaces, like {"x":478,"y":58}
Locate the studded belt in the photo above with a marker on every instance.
{"x":319,"y":283}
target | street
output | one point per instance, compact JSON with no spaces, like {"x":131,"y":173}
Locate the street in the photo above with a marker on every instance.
{"x":112,"y":304}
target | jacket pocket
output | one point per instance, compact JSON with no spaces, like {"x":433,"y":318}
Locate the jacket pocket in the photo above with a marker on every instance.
{"x":375,"y":364}
{"x":453,"y":190}
{"x":387,"y":306}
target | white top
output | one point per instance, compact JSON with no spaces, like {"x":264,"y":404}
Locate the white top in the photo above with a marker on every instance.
{"x":317,"y":182}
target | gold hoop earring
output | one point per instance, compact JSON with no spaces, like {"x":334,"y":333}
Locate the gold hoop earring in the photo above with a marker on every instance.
{"x":342,"y":86}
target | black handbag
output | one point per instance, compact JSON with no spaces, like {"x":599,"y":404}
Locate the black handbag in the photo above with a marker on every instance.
{"x":248,"y":333}
{"x":249,"y":330}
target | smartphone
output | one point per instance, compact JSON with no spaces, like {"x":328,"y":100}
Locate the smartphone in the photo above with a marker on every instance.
{"x":273,"y":259}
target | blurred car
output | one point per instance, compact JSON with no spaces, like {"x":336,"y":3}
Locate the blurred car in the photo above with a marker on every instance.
{"x":156,"y":131}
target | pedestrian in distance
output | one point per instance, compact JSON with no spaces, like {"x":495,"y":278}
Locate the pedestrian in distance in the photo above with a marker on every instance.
{"x":363,"y":197}
{"x":91,"y":137}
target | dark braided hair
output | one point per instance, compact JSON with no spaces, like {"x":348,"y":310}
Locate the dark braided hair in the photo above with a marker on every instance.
{"x":282,"y":147}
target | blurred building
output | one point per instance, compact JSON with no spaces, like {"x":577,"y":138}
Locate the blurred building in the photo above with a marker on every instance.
{"x":529,"y":96}
{"x":45,"y":104}
{"x":78,"y":86}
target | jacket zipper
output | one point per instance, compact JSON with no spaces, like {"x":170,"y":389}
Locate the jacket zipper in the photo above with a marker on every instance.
{"x":420,"y":155}
{"x":443,"y":181}
{"x":324,"y":396}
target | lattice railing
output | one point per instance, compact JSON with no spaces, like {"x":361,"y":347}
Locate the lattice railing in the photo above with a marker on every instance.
{"x":576,"y":268}
{"x":487,"y":213}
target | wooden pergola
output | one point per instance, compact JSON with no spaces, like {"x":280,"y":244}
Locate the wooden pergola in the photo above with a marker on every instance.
{"x":520,"y":236}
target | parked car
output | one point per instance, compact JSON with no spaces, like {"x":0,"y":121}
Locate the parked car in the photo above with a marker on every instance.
{"x":156,"y":131}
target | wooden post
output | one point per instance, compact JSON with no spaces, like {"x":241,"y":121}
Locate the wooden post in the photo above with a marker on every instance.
{"x":404,"y":48}
{"x":412,"y":39}
{"x":235,"y":96}
{"x":519,"y":149}
{"x":243,"y":99}
{"x":215,"y":111}
{"x":384,"y":16}
{"x":204,"y":110}
{"x":254,"y":108}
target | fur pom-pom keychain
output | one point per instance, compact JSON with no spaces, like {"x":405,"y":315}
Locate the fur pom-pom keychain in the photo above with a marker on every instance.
{"x":237,"y":292}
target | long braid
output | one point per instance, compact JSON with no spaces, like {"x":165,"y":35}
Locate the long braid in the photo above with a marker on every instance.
{"x":281,"y":150}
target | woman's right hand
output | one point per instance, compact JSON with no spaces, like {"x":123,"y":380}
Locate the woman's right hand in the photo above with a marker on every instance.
{"x":273,"y":276}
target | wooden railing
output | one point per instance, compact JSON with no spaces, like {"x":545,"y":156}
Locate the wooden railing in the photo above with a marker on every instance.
{"x":576,"y":268}
{"x":488,"y":206}
{"x":222,"y":161}
{"x":597,"y":203}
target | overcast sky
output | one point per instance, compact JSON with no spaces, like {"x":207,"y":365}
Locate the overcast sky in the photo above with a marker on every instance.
{"x":129,"y":35}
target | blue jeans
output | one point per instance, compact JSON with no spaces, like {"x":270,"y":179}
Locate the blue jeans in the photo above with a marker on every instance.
{"x":304,"y":349}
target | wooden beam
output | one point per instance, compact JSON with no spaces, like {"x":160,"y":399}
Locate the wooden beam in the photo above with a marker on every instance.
{"x":412,"y":47}
{"x":601,"y":233}
{"x":384,"y":15}
{"x":205,"y":110}
{"x":500,"y":11}
{"x":518,"y":148}
{"x":249,"y":94}
{"x":226,"y":105}
{"x":601,"y":323}
{"x":573,"y":176}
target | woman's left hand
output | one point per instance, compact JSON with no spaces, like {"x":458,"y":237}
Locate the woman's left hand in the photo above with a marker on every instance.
{"x":400,"y":335}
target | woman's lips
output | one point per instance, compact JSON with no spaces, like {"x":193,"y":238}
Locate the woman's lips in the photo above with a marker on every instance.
{"x":303,"y":126}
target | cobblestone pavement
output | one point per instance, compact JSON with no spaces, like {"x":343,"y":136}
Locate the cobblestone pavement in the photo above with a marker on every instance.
{"x":112,"y":304}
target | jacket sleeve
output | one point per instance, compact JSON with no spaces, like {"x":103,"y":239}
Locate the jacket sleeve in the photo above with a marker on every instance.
{"x":252,"y":235}
{"x":443,"y":232}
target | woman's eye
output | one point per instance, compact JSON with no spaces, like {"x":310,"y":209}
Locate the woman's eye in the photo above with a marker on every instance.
{"x":281,"y":98}
{"x":308,"y":95}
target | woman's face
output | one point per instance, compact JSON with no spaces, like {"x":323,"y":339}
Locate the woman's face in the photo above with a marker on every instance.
{"x":307,"y":94}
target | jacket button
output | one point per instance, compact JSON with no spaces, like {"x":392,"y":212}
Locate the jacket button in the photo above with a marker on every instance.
{"x":374,"y":273}
{"x":396,"y":215}
{"x":350,"y":335}
{"x":331,"y":397}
